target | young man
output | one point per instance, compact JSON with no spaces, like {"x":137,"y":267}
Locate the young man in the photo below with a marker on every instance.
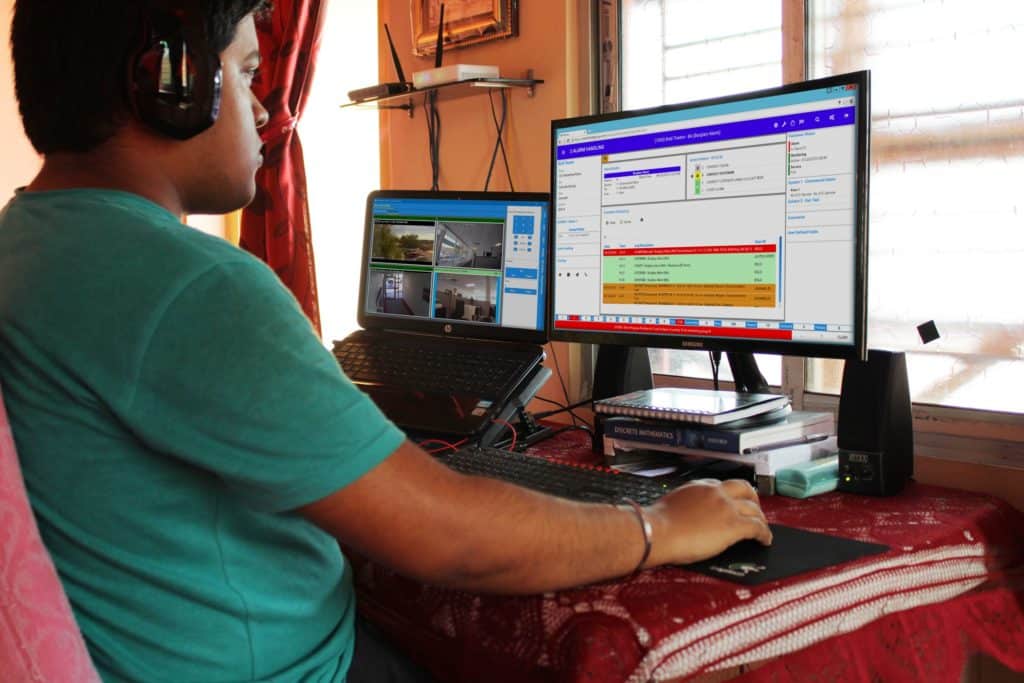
{"x":191,"y":450}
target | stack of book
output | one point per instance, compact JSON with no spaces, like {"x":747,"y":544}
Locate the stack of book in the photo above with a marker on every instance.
{"x":760,"y":430}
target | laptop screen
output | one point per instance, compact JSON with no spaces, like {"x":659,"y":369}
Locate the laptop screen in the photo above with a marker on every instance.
{"x":465,"y":264}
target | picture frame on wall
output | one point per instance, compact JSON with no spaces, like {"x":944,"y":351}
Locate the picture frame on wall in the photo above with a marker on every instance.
{"x":466,"y":22}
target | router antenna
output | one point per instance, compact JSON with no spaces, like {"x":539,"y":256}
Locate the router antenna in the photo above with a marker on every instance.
{"x":394,"y":57}
{"x":440,"y":39}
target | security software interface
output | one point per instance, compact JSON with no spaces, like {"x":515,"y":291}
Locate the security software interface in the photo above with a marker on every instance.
{"x":478,"y":262}
{"x":734,"y":220}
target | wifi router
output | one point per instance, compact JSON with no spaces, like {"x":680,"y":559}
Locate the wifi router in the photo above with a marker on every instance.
{"x":375,"y":92}
{"x":451,"y":74}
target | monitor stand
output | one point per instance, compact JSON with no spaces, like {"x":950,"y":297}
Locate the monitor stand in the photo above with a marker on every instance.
{"x":516,"y":405}
{"x":620,"y":370}
{"x":745,"y":373}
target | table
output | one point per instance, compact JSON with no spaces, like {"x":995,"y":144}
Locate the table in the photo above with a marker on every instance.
{"x":952,"y":585}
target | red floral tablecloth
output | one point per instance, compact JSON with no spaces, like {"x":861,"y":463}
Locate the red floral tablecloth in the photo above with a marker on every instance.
{"x":951,"y":585}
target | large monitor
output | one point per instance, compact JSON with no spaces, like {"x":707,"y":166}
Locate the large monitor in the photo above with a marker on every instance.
{"x":734,"y":224}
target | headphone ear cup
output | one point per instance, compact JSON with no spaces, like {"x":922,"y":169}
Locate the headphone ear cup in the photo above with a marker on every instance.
{"x":175,"y":78}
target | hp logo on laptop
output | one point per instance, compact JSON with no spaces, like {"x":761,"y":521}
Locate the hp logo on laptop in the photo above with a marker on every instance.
{"x":447,"y":329}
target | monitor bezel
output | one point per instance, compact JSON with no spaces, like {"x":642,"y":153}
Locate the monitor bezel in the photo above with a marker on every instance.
{"x":856,"y":350}
{"x":451,"y":328}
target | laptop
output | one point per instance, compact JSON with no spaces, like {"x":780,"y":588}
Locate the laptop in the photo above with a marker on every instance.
{"x":452,"y":307}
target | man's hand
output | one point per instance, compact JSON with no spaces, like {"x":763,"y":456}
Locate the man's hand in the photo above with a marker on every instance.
{"x":702,"y":518}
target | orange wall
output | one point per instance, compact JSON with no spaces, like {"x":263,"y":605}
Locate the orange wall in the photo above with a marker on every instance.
{"x":18,"y":162}
{"x":468,"y":133}
{"x":467,"y":129}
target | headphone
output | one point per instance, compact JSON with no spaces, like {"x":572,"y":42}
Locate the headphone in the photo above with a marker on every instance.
{"x":174,"y":82}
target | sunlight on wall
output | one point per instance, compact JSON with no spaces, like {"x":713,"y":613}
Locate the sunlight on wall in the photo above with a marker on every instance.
{"x":18,"y":161}
{"x":342,"y":154}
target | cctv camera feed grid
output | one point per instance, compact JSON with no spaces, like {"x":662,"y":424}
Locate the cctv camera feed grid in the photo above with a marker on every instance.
{"x":467,"y":261}
{"x":734,"y":220}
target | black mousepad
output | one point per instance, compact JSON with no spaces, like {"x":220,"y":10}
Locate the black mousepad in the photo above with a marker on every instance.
{"x":793,"y":551}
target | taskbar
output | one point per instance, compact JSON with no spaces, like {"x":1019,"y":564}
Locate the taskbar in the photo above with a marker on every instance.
{"x":816,"y":332}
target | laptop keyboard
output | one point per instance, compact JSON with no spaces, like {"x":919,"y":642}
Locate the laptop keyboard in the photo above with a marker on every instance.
{"x":422,"y":367}
{"x":587,"y":483}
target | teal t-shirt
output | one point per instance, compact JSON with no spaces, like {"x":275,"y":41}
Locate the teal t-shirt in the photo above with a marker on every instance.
{"x":171,"y":407}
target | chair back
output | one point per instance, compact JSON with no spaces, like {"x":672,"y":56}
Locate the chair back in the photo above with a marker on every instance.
{"x":39,"y":638}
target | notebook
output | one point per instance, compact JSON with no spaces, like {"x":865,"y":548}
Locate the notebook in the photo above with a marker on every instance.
{"x":452,"y":306}
{"x":680,"y":404}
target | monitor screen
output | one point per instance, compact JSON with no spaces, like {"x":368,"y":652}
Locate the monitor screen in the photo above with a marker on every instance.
{"x":467,"y":264}
{"x":733,"y":224}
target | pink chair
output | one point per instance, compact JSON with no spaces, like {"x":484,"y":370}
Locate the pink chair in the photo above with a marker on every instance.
{"x":39,"y":639}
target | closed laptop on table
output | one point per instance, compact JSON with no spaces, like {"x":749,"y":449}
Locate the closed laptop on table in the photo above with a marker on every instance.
{"x":452,"y":306}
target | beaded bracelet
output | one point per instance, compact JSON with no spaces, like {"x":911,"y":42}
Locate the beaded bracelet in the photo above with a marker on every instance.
{"x":645,"y":526}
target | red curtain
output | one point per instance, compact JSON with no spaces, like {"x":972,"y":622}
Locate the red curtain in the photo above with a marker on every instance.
{"x":275,"y":227}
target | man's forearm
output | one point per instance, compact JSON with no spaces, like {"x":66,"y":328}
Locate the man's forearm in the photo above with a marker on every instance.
{"x":426,"y":521}
{"x":529,"y":542}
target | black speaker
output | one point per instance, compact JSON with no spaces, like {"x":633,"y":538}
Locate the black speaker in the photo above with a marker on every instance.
{"x":875,"y":431}
{"x":175,"y":78}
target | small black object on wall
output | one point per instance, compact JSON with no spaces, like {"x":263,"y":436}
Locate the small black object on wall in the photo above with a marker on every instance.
{"x":875,"y":428}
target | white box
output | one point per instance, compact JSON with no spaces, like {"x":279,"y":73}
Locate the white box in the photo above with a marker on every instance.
{"x":452,"y":73}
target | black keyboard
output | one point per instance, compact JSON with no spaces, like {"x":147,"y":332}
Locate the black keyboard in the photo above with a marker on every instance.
{"x":426,"y":368}
{"x":590,"y":483}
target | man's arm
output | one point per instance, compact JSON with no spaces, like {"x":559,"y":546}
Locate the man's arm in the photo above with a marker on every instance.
{"x":428,"y":522}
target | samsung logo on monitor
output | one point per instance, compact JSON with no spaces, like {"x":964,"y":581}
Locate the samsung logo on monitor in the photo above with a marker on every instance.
{"x":692,"y":344}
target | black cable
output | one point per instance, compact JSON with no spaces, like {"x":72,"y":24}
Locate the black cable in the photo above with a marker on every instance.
{"x":565,"y":390}
{"x":500,"y":128}
{"x":562,"y":408}
{"x":430,"y":131}
{"x":433,"y":117}
{"x":716,"y":360}
{"x":501,"y":141}
{"x":437,"y":142}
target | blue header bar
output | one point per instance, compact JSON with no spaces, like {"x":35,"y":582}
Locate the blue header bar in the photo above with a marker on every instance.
{"x":789,"y":99}
{"x":772,"y":125}
{"x":644,"y":171}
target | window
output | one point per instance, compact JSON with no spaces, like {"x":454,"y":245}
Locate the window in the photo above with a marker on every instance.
{"x":946,"y":225}
{"x":342,"y":155}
